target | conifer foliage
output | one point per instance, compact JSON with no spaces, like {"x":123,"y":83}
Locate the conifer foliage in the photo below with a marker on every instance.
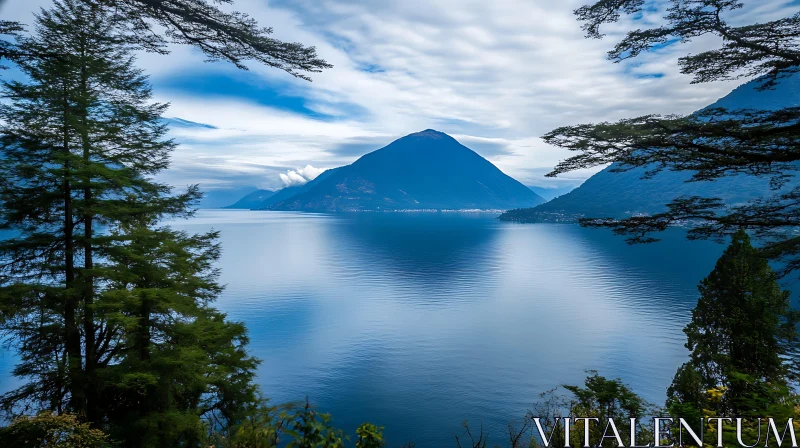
{"x":743,"y":341}
{"x":221,"y":35}
{"x":711,"y":143}
{"x":109,"y":311}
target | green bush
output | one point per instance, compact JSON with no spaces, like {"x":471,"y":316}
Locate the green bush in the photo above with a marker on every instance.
{"x":51,"y":431}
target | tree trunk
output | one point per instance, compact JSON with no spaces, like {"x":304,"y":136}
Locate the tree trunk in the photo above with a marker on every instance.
{"x":143,"y":337}
{"x":92,"y":412}
{"x":77,"y":401}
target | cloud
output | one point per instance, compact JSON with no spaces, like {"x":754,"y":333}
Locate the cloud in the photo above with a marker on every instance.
{"x":301,"y":176}
{"x":354,"y":147}
{"x":486,"y":147}
{"x":496,"y":75}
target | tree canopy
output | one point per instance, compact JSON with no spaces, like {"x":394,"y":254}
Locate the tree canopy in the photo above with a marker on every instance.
{"x":770,"y":48}
{"x":743,"y":324}
{"x":233,"y":37}
{"x":711,"y":143}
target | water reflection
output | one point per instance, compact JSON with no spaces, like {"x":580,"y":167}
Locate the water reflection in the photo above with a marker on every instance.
{"x":424,"y":258}
{"x":418,"y":321}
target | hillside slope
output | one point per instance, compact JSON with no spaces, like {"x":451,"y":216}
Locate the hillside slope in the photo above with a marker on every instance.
{"x":617,"y":195}
{"x":252,"y":200}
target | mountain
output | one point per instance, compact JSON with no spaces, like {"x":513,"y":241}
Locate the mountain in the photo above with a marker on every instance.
{"x":617,"y":195}
{"x":220,"y":197}
{"x":551,"y":193}
{"x":252,"y":200}
{"x":426,"y":170}
{"x":291,"y":191}
{"x":264,"y":199}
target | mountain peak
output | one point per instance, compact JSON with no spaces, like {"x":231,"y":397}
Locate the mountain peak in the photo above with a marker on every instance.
{"x":429,"y":133}
{"x":427,"y":170}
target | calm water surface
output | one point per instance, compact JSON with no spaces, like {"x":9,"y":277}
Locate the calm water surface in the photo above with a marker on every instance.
{"x":419,"y":321}
{"x":416,"y":322}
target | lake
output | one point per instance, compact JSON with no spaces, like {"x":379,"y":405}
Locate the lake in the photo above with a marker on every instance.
{"x":417,"y":322}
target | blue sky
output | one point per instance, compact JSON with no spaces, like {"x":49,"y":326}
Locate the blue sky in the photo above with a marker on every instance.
{"x":494,"y":74}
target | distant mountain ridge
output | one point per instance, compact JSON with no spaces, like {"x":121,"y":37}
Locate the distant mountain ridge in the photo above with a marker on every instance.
{"x":551,"y":193}
{"x":264,"y":199}
{"x":252,"y":200}
{"x":428,"y":170}
{"x":220,"y":197}
{"x":619,"y":195}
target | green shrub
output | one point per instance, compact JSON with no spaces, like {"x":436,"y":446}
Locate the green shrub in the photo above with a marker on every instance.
{"x":51,"y":431}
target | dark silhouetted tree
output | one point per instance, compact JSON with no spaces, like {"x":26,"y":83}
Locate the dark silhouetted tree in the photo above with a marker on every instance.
{"x":743,"y":342}
{"x":711,"y":143}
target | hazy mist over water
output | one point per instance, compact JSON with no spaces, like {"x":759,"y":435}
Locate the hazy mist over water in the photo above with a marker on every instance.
{"x":419,"y":321}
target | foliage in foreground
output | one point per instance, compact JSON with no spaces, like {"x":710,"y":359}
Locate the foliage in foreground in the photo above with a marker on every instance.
{"x":599,"y":398}
{"x":51,"y":431}
{"x":290,"y":426}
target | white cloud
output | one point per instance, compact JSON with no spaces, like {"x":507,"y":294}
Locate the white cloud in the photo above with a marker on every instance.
{"x":496,"y":74}
{"x":310,"y":173}
{"x":301,"y":176}
{"x":253,"y":143}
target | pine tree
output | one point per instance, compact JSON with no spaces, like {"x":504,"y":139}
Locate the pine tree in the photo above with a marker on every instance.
{"x":742,"y":333}
{"x":111,"y":314}
{"x":78,"y":139}
{"x":182,"y":368}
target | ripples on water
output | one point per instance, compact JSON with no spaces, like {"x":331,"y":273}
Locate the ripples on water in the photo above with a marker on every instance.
{"x":419,"y":321}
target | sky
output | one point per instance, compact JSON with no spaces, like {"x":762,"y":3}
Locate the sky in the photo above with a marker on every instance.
{"x":495,"y":75}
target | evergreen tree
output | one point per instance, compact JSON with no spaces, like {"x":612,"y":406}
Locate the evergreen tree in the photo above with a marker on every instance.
{"x":78,"y":139}
{"x":742,"y":337}
{"x":182,"y":368}
{"x":7,"y":47}
{"x":111,"y":315}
